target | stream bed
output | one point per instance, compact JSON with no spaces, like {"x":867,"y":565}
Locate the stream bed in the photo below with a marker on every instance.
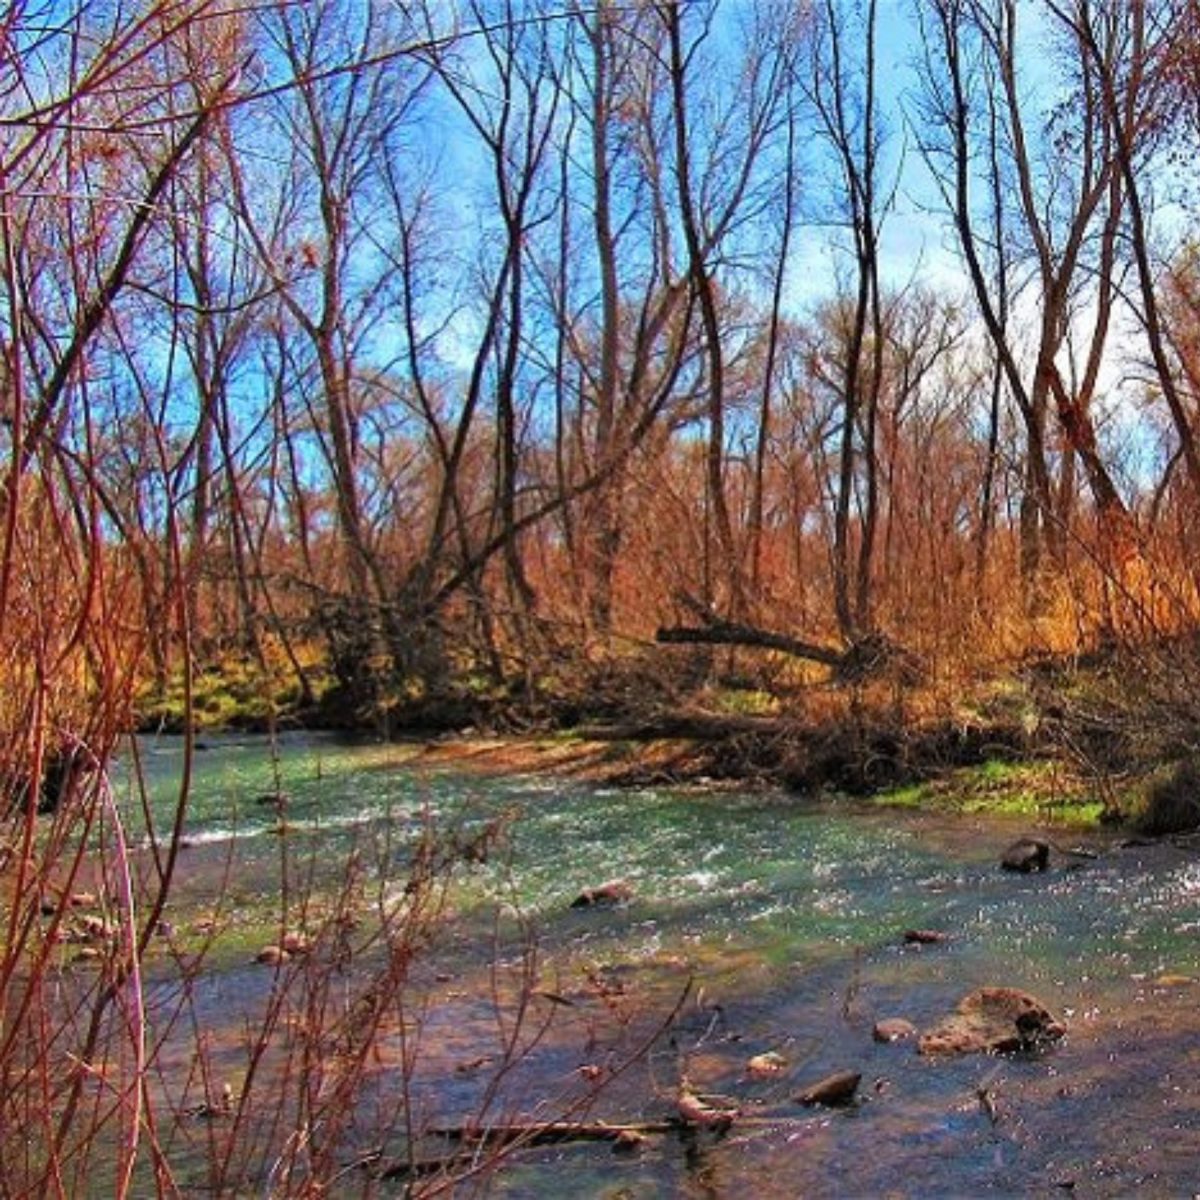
{"x":774,"y":923}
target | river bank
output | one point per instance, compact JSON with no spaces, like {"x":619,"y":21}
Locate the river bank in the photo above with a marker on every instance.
{"x":1106,"y":737}
{"x":968,"y":771}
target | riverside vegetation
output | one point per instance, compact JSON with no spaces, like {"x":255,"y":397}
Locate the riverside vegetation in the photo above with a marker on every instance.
{"x":553,"y":372}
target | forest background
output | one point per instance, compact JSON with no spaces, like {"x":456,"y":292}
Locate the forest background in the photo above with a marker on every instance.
{"x":417,"y":364}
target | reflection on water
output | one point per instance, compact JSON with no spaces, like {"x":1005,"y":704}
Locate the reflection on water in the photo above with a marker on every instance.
{"x":791,"y":916}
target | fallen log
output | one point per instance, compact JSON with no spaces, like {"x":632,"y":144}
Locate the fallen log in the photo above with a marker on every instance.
{"x":867,"y":655}
{"x":724,"y":633}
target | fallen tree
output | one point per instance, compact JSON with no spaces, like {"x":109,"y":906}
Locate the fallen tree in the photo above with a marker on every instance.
{"x":726,"y":633}
{"x":871,"y":654}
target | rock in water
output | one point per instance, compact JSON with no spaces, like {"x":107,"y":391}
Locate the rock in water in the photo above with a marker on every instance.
{"x":1027,"y":854}
{"x":993,"y":1020}
{"x":766,"y":1065}
{"x":925,"y":937}
{"x":894,"y":1029}
{"x":295,"y":943}
{"x":832,"y":1091}
{"x":698,"y":1110}
{"x":614,"y":891}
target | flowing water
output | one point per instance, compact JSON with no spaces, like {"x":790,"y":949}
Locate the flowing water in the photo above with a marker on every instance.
{"x":788,"y":918}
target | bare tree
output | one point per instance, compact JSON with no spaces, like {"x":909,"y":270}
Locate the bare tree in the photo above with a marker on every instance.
{"x":343,"y":106}
{"x":1124,"y":48}
{"x":510,"y":102}
{"x":1068,"y":210}
{"x":843,"y":92}
{"x":626,"y":339}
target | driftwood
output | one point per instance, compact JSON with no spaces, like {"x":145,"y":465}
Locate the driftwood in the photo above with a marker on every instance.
{"x":547,"y":1133}
{"x":519,"y":1135}
{"x":502,"y":1138}
{"x":535,"y":1133}
{"x":513,"y":1135}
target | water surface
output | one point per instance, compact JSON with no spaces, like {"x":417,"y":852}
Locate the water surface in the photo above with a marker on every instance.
{"x":787,"y":917}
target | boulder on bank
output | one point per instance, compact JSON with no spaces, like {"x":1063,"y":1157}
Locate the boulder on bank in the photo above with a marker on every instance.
{"x":1026,"y":854}
{"x":993,"y":1020}
{"x":65,"y":768}
{"x":612,"y":892}
{"x":1172,"y":801}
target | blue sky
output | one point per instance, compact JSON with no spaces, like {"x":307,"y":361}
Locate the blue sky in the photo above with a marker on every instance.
{"x":917,"y":237}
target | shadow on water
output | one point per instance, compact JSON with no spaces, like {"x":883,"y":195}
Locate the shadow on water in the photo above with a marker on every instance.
{"x":790,"y":919}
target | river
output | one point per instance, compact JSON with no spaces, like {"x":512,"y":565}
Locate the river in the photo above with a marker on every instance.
{"x":779,"y":921}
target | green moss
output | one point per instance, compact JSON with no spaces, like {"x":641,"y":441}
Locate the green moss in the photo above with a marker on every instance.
{"x":1036,"y":804}
{"x":998,"y":771}
{"x":915,"y":795}
{"x":1038,"y":790}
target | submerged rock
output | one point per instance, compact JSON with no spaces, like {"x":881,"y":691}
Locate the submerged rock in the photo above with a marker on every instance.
{"x":629,"y":1141}
{"x":993,"y":1020}
{"x":92,"y":928}
{"x":1027,"y":854}
{"x":1173,"y":980}
{"x":893,"y":1029}
{"x":832,"y":1091}
{"x":614,"y":891}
